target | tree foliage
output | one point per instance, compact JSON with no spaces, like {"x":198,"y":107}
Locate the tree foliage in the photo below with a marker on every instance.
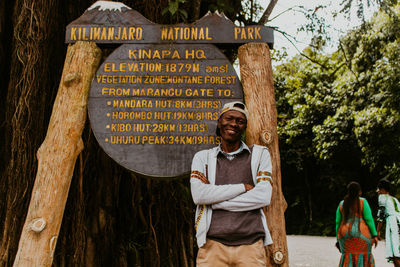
{"x":340,"y":117}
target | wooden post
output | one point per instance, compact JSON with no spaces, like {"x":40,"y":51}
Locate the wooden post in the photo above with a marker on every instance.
{"x":57,"y":156}
{"x":258,"y":87}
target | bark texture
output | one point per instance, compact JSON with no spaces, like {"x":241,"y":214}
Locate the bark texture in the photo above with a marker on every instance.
{"x":57,"y":156}
{"x":33,"y":53}
{"x":258,"y":87}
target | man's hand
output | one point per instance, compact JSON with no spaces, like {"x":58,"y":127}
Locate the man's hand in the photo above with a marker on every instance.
{"x":248,"y":187}
{"x":202,"y":178}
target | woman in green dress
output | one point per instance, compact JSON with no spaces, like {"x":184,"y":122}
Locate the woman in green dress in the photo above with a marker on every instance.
{"x":355,"y":229}
{"x":389,"y":212}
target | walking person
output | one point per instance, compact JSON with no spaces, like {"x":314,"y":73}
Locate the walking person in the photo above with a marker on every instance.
{"x":389,"y":212}
{"x":230,"y":185}
{"x":355,"y":229}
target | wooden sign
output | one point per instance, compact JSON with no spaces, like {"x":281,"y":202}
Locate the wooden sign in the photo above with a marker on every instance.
{"x":113,"y":22}
{"x":155,"y":100}
{"x":153,"y":106}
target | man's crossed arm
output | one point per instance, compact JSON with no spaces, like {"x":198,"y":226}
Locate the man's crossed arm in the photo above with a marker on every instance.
{"x":233,"y":197}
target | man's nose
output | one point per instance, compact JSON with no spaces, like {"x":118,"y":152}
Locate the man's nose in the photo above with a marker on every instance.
{"x":234,"y":123}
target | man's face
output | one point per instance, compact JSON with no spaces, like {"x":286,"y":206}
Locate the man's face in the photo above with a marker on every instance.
{"x":232,"y":125}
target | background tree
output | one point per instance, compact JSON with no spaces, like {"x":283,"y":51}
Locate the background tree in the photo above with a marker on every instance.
{"x":112,"y":217}
{"x":339,"y":121}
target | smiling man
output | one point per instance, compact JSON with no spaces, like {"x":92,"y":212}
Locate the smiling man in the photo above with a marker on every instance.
{"x":230,"y":185}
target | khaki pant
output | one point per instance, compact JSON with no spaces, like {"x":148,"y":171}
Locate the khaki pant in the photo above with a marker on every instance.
{"x":215,"y":254}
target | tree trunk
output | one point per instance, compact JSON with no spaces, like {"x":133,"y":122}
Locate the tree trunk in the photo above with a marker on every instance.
{"x":57,"y":156}
{"x":258,"y":87}
{"x":196,"y":9}
{"x":265,"y":16}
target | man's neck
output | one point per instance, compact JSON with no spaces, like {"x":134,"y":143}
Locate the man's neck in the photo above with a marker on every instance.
{"x":230,"y":147}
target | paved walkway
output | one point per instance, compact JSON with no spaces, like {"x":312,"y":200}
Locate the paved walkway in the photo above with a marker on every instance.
{"x":317,"y":251}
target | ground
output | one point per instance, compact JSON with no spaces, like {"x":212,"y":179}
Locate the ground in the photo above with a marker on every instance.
{"x":317,"y":251}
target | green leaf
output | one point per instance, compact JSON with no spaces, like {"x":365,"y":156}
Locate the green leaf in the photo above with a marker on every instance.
{"x":173,"y":7}
{"x":184,"y":13}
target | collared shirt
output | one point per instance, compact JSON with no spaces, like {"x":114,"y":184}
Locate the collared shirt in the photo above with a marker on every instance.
{"x":232,"y":155}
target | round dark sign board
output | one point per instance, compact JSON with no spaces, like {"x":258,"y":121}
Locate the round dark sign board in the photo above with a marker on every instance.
{"x":153,"y":106}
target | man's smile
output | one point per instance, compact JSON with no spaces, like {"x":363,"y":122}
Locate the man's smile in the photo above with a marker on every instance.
{"x":231,"y":131}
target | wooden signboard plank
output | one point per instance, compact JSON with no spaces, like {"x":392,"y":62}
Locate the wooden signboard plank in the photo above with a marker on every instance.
{"x":125,"y":25}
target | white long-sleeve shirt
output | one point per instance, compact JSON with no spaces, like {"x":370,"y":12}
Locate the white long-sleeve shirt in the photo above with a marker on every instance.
{"x":232,"y":197}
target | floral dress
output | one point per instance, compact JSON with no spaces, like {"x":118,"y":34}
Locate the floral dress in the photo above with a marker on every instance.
{"x":354,"y":237}
{"x":389,"y":212}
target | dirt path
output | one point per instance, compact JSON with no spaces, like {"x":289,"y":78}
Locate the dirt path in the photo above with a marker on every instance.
{"x":317,"y":251}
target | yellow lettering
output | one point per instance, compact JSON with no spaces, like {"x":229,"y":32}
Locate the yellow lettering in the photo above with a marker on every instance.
{"x":187,"y":33}
{"x":194,"y":33}
{"x":201,"y":34}
{"x":96,"y":33}
{"x":131,"y":33}
{"x":237,"y":31}
{"x":187,"y":54}
{"x":257,"y":32}
{"x":207,"y":37}
{"x":164,"y":33}
{"x":243,"y":34}
{"x":200,"y":54}
{"x":165,"y":53}
{"x":104,"y":34}
{"x":122,"y":66}
{"x":139,"y":33}
{"x":119,"y":34}
{"x":107,"y":66}
{"x":176,"y":55}
{"x":132,"y":54}
{"x":176,"y":29}
{"x":156,"y":54}
{"x":171,"y":34}
{"x":146,"y":53}
{"x":250,"y":33}
{"x":73,"y":33}
{"x":124,"y":34}
{"x":84,"y":37}
{"x":110,"y":33}
{"x":115,"y":92}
